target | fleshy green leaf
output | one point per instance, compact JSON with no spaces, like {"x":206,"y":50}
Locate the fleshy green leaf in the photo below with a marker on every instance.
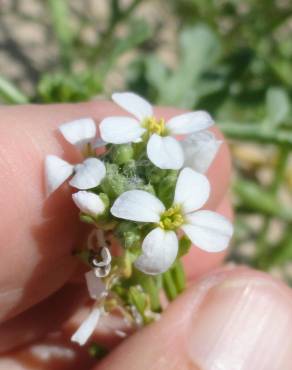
{"x":277,"y":105}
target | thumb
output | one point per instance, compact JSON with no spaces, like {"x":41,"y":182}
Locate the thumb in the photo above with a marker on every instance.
{"x":233,"y":319}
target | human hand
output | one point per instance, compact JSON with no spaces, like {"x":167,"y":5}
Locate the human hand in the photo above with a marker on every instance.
{"x":222,"y":321}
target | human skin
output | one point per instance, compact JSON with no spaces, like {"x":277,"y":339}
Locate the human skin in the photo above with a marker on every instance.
{"x":40,"y":287}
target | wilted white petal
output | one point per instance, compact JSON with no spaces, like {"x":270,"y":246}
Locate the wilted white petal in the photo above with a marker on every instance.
{"x":102,"y":271}
{"x":95,"y":285}
{"x":138,"y":205}
{"x":120,"y":130}
{"x":133,"y":104}
{"x":165,"y":152}
{"x":88,"y":174}
{"x":189,"y":122}
{"x":208,"y":230}
{"x":192,"y":190}
{"x":159,"y":252}
{"x":106,"y":256}
{"x":88,"y":203}
{"x":56,"y":171}
{"x":79,"y":132}
{"x":200,"y":149}
{"x":104,"y":260}
{"x":87,"y":328}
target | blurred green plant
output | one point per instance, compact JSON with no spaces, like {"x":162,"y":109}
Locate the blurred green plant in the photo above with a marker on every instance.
{"x":230,"y":57}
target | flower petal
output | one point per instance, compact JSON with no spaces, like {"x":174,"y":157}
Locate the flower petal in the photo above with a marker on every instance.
{"x":192,"y":190}
{"x":56,"y":171}
{"x":165,"y":152}
{"x":79,"y":132}
{"x":88,"y":203}
{"x":88,"y":174}
{"x":138,"y":205}
{"x":200,"y":150}
{"x":189,"y":122}
{"x":159,"y":252}
{"x":95,"y":285}
{"x":208,"y":230}
{"x":134,"y":104}
{"x":87,"y":328}
{"x":120,"y":130}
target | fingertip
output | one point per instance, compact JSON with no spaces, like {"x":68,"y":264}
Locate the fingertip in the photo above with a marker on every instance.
{"x":234,"y":317}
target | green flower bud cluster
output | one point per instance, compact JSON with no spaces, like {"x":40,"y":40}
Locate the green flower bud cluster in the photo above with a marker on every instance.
{"x":128,"y":168}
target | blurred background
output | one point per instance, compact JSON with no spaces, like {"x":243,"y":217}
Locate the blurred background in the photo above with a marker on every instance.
{"x":230,"y":57}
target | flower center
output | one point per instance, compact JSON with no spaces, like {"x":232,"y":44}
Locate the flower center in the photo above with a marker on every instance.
{"x":171,"y":219}
{"x":155,"y":126}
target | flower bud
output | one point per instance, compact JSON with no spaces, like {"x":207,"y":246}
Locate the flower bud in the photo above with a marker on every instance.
{"x":122,"y":153}
{"x":89,"y":203}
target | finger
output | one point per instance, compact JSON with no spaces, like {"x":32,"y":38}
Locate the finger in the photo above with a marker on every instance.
{"x":38,"y":235}
{"x":47,"y":316}
{"x":53,"y":353}
{"x":232,"y":319}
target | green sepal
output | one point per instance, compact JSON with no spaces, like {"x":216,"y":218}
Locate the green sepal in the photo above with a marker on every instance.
{"x":105,"y":200}
{"x":184,"y":246}
{"x":86,"y":218}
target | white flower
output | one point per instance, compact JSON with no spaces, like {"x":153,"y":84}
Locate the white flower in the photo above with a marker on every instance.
{"x":200,"y":150}
{"x":96,"y":289}
{"x":80,"y":132}
{"x":89,"y":203}
{"x":208,"y":230}
{"x":162,"y":149}
{"x":87,"y":174}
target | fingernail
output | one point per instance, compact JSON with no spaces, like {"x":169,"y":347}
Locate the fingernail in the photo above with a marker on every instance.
{"x":243,"y":323}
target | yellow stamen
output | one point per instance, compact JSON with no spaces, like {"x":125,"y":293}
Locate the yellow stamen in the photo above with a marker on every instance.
{"x":155,"y":126}
{"x":171,"y":219}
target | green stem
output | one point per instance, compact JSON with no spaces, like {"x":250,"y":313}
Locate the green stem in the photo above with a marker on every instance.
{"x":261,"y":258}
{"x":179,"y":277}
{"x":255,"y":133}
{"x":254,"y":199}
{"x":169,"y":285}
{"x":117,"y":16}
{"x":62,"y":29}
{"x":11,"y":94}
